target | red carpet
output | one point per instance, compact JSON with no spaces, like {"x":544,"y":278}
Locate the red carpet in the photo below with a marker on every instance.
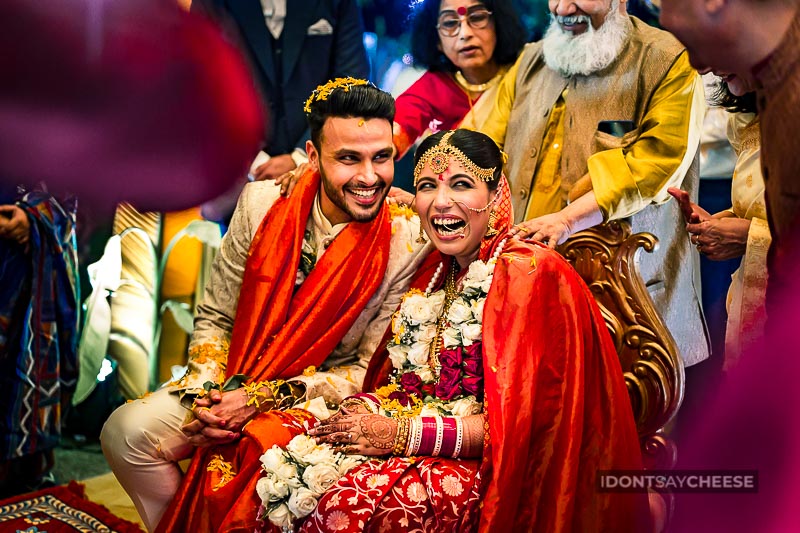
{"x":62,"y":509}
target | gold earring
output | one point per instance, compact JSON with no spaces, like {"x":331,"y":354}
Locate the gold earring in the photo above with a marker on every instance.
{"x":421,"y":239}
{"x":491,"y":231}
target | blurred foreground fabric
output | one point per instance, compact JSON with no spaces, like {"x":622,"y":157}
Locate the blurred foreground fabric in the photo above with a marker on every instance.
{"x":138,"y":101}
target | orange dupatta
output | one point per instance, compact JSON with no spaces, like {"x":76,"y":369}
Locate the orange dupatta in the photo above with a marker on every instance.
{"x":277,"y":332}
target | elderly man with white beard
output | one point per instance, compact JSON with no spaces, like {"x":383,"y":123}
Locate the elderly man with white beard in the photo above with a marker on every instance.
{"x":599,"y":119}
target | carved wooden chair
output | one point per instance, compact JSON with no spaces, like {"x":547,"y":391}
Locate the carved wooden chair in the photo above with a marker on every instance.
{"x":605,"y":257}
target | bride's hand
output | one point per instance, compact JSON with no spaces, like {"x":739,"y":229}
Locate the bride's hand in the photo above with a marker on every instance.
{"x":363,"y":434}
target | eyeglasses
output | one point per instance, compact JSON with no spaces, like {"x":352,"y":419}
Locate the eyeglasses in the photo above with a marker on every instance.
{"x":450,"y":22}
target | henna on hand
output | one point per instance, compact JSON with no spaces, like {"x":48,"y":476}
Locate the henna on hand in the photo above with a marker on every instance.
{"x":352,"y":407}
{"x":345,"y":448}
{"x":326,"y":429}
{"x":379,"y":430}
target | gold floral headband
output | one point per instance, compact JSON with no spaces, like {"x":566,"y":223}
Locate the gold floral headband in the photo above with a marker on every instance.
{"x":322,"y":92}
{"x":439,"y":159}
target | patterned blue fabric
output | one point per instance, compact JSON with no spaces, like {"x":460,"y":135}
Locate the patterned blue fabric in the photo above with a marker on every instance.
{"x":38,"y":328}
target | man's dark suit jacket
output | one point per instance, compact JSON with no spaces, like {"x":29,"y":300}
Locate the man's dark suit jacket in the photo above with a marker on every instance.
{"x":311,"y":55}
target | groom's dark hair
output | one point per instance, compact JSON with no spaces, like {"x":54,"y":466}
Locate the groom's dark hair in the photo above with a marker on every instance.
{"x":347,"y":101}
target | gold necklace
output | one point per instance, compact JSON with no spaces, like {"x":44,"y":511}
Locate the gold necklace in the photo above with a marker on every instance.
{"x":477,"y":87}
{"x":450,"y":294}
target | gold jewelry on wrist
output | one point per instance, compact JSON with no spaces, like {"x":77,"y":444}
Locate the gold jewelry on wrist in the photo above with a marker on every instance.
{"x":401,"y":439}
{"x":289,"y":393}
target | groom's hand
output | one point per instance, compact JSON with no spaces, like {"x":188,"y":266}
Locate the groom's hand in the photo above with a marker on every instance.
{"x":232,"y":409}
{"x":219,"y":417}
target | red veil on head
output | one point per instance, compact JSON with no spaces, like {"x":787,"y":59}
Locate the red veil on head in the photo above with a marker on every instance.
{"x":504,"y":219}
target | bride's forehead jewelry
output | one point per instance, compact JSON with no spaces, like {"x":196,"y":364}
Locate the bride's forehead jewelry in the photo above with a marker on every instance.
{"x":439,"y":157}
{"x":322,"y":92}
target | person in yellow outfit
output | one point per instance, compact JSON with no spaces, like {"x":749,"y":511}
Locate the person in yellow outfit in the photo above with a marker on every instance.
{"x":599,"y":119}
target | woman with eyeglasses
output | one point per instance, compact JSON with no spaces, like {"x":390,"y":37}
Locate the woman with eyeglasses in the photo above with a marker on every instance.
{"x":467,"y":46}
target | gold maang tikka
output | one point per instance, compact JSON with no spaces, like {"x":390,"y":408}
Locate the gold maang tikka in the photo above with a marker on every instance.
{"x":438,"y":157}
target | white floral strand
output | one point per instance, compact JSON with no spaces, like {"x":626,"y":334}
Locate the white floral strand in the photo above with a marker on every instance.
{"x":414,"y":328}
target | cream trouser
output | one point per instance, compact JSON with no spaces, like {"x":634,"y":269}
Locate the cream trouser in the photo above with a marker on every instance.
{"x":142,"y":442}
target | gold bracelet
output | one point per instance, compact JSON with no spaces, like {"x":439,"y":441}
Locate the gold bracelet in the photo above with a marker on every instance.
{"x":398,"y":438}
{"x":288,"y":394}
{"x":401,"y":439}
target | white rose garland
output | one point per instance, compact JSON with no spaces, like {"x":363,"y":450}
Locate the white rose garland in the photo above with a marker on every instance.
{"x":414,"y":328}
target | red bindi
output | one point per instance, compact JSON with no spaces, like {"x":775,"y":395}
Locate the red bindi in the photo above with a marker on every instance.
{"x":441,"y":177}
{"x":461,"y":11}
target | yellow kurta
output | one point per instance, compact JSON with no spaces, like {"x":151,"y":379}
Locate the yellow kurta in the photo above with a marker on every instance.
{"x":625,"y":180}
{"x":546,"y":196}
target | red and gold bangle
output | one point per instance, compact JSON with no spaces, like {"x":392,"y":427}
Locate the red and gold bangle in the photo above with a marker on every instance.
{"x":436,"y":436}
{"x":437,"y":446}
{"x":417,"y":434}
{"x":371,"y":400}
{"x":428,"y":436}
